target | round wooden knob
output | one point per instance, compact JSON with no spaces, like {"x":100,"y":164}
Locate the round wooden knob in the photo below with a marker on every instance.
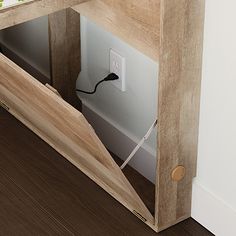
{"x":178,"y":173}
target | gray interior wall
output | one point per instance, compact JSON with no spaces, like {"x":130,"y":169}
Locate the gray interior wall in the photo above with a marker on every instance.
{"x":133,"y":110}
{"x":30,"y":42}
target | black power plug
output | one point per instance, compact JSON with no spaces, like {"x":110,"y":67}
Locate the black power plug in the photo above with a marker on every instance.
{"x":110,"y":77}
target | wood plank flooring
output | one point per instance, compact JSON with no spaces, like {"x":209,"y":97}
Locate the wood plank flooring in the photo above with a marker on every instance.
{"x":43,"y":194}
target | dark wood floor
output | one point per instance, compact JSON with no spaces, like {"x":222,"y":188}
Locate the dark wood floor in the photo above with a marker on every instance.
{"x":43,"y":194}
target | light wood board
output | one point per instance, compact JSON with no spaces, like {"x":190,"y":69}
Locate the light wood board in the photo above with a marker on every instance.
{"x":65,"y":53}
{"x":31,"y":10}
{"x":178,"y":106}
{"x":7,"y":4}
{"x":67,"y":131}
{"x":134,"y":21}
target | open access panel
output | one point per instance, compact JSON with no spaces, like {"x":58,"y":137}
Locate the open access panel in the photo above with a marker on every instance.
{"x":168,"y":31}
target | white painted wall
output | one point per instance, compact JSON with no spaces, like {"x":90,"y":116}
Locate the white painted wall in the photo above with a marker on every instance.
{"x":214,"y":193}
{"x":217,"y":140}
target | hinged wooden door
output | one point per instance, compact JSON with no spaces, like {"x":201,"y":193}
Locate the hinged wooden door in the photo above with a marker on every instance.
{"x":67,"y":131}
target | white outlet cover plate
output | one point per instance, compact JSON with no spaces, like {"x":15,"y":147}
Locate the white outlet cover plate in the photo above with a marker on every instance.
{"x":118,"y":66}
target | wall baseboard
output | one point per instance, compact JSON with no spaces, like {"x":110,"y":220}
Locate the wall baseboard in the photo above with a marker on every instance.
{"x":212,"y":212}
{"x":120,"y":142}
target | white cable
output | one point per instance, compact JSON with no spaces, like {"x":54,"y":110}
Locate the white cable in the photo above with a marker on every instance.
{"x":139,"y":145}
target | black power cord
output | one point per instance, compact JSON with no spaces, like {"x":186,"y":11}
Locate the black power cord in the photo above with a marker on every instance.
{"x":110,"y":77}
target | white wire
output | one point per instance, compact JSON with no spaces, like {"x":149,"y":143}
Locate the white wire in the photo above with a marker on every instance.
{"x":139,"y":145}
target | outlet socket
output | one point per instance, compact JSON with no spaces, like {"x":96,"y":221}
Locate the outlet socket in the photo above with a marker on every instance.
{"x":118,"y":66}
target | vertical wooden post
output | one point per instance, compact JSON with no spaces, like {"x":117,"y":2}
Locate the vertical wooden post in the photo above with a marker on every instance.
{"x":65,"y":53}
{"x":181,"y":39}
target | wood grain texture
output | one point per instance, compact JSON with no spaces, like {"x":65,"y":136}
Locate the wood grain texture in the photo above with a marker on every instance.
{"x":170,"y":31}
{"x":74,"y":200}
{"x":31,"y":10}
{"x":64,"y":192}
{"x":10,"y":5}
{"x":65,"y":53}
{"x":178,"y":108}
{"x":67,"y":131}
{"x":144,"y":188}
{"x":134,"y":21}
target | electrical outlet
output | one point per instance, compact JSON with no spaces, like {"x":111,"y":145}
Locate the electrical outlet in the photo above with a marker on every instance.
{"x":118,"y":66}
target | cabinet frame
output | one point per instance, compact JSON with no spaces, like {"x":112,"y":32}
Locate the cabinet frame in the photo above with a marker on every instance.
{"x":174,"y":39}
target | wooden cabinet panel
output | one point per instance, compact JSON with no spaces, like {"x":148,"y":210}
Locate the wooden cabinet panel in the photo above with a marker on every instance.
{"x":67,"y":131}
{"x":31,"y":10}
{"x":168,"y":31}
{"x":136,"y":22}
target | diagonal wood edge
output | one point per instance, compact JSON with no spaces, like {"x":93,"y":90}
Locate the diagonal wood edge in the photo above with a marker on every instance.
{"x":31,"y":10}
{"x":178,"y":106}
{"x":53,"y":89}
{"x":67,"y":131}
